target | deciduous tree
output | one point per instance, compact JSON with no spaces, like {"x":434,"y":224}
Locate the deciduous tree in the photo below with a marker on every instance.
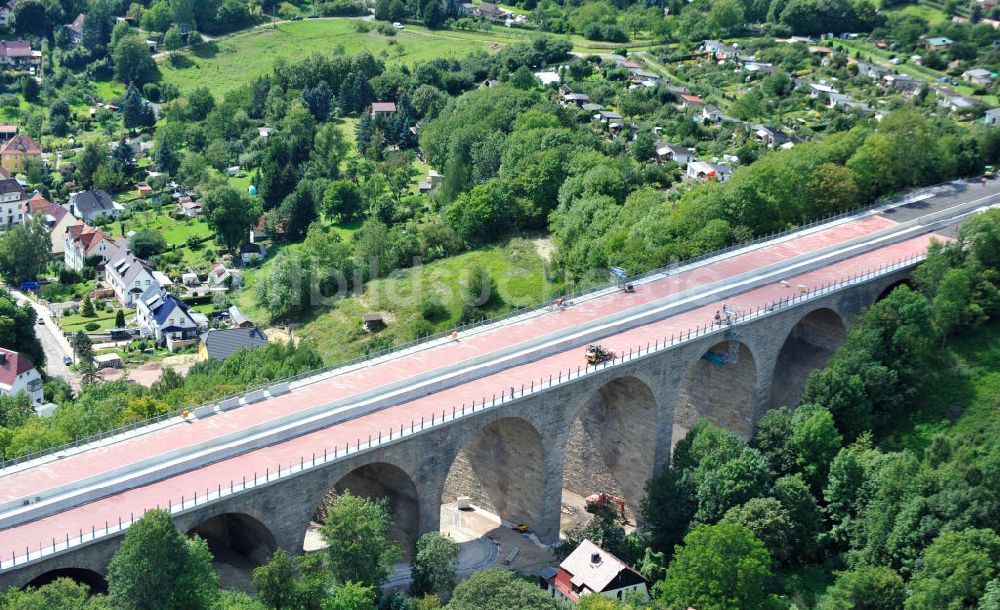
{"x":157,"y":568}
{"x":359,"y":549}
{"x":434,"y":565}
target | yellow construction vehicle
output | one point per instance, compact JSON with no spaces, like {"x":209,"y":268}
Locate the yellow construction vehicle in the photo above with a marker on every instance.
{"x":597,"y":354}
{"x":521,"y":528}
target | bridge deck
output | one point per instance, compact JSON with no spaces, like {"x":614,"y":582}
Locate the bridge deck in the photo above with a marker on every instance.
{"x":74,"y":468}
{"x":31,"y":481}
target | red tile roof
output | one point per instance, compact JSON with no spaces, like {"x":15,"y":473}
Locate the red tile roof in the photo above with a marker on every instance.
{"x":15,"y":48}
{"x":14,"y":364}
{"x":89,"y":237}
{"x":21,"y":144}
{"x":40,"y":205}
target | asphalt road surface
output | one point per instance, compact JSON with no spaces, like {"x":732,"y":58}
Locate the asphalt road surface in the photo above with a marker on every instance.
{"x":54,"y":344}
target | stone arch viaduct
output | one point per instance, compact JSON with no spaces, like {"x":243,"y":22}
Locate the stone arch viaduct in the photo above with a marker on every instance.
{"x":606,"y":431}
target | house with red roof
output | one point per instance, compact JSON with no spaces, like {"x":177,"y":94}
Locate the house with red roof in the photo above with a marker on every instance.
{"x":16,"y":151}
{"x":383,"y":108}
{"x":84,"y":241}
{"x":18,"y":374}
{"x":56,"y":218}
{"x":17,"y":54}
{"x":590,"y":570}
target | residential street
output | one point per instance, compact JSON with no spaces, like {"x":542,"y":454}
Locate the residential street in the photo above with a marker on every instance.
{"x":55,"y":345}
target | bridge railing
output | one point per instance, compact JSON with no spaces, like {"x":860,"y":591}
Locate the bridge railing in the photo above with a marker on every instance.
{"x":438,"y":337}
{"x":198,"y":498}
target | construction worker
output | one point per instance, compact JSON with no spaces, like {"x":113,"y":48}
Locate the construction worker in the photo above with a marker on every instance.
{"x":718,"y":317}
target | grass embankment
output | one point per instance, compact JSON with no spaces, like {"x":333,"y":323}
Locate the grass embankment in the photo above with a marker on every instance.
{"x":233,"y":60}
{"x":969,"y":387}
{"x":336,"y":331}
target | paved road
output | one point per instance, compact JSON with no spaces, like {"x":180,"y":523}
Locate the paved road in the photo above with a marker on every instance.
{"x":50,"y":335}
{"x":811,"y":259}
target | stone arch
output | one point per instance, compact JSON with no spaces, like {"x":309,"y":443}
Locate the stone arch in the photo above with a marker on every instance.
{"x":810,"y":343}
{"x":721,"y":386}
{"x":888,"y":289}
{"x":502,"y":469}
{"x":612,"y":442}
{"x":383,"y":480}
{"x":239,"y":543}
{"x":83,"y":576}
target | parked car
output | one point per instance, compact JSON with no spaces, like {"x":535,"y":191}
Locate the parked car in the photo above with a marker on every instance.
{"x":397,"y":25}
{"x":67,"y":360}
{"x":297,"y":18}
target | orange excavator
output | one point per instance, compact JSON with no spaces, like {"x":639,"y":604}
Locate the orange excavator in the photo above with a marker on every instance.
{"x":604,"y":500}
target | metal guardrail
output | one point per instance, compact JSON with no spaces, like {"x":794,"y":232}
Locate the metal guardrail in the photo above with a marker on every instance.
{"x":542,"y":305}
{"x":185,"y":504}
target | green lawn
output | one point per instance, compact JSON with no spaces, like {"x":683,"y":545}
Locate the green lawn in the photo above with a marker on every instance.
{"x":16,"y":113}
{"x":175,"y":232}
{"x":58,"y":293}
{"x":109,"y":90}
{"x":234,"y":60}
{"x":928,"y":13}
{"x":336,"y":332}
{"x":76,"y":322}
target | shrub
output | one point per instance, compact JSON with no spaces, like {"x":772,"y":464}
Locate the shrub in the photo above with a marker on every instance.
{"x":91,"y":326}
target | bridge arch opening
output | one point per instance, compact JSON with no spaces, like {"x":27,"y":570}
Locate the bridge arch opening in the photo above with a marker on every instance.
{"x":810,"y":343}
{"x":83,"y":576}
{"x":501,"y":469}
{"x":721,"y":386}
{"x":888,"y":289}
{"x":239,"y":543}
{"x":612,"y":444}
{"x":376,"y":481}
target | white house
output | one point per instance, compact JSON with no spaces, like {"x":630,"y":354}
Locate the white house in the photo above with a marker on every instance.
{"x":90,"y":205}
{"x":703,"y":171}
{"x":818,"y":89}
{"x":12,"y":198}
{"x":992,"y":116}
{"x":56,"y":218}
{"x":82,"y":242}
{"x":130,"y":276}
{"x":590,"y":570}
{"x":681,"y":155}
{"x":18,"y":374}
{"x":166,"y":318}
